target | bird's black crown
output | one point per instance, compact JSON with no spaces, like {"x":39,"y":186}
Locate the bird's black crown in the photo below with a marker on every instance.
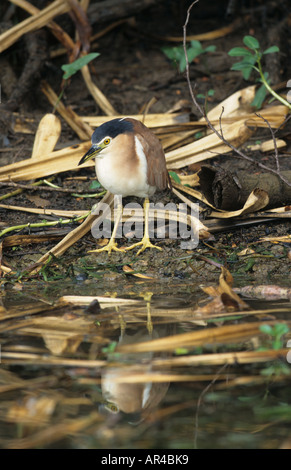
{"x":111,"y":129}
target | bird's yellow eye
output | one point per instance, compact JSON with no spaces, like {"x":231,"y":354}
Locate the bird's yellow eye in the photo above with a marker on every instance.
{"x":106,"y":141}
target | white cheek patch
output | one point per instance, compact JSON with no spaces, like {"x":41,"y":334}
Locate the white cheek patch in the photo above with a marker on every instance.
{"x":104,"y":151}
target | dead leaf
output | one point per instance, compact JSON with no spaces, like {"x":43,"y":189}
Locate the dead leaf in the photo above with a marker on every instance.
{"x":257,"y":200}
{"x":37,"y":200}
{"x":130,"y":270}
{"x":224,"y":297}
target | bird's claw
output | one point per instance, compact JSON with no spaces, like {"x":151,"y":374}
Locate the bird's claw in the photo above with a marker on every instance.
{"x":111,"y":246}
{"x":144,"y":244}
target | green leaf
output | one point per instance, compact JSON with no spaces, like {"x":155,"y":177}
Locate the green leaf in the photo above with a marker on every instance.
{"x":247,"y":61}
{"x":239,"y":51}
{"x":71,"y":69}
{"x":179,"y":351}
{"x":271,"y":49}
{"x":245,"y":66}
{"x":251,"y":42}
{"x":280,"y":329}
{"x":246,"y":73}
{"x":267,"y":329}
{"x":110,"y":348}
{"x":169,"y":52}
{"x":259,"y":97}
{"x":173,"y":53}
{"x":95,"y":185}
{"x":175,"y":177}
{"x":177,"y":54}
{"x":198,"y":135}
{"x":192,"y":53}
{"x":245,"y":69}
{"x":268,"y":371}
{"x":196,"y":44}
{"x":210,"y":49}
{"x":182,"y":64}
{"x":240,"y":66}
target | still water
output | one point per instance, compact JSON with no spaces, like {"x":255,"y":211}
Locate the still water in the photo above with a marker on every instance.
{"x":141,"y":371}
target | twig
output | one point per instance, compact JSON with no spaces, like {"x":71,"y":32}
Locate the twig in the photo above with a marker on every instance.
{"x":203,"y":112}
{"x":19,"y":190}
{"x":274,"y":141}
{"x":287,"y":118}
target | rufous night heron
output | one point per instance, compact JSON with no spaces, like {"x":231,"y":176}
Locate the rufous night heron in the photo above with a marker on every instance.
{"x":130,"y":161}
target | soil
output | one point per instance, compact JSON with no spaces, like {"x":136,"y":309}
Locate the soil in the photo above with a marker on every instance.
{"x":131,"y":70}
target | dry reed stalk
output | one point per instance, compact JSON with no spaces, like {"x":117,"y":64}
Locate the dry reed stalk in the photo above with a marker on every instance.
{"x":55,"y":212}
{"x":47,"y":135}
{"x":37,"y":21}
{"x":82,"y":129}
{"x":150,"y":120}
{"x":215,"y":359}
{"x":224,"y":334}
{"x":97,"y":94}
{"x":58,"y":161}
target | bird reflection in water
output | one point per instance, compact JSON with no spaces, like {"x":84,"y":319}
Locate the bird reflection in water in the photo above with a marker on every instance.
{"x":123,"y":386}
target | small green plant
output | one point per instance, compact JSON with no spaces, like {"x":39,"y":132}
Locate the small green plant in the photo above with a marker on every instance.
{"x":203,"y":97}
{"x":74,"y":67}
{"x":276,"y":332}
{"x":55,"y":269}
{"x":276,"y":341}
{"x":210,"y":93}
{"x":95,"y":185}
{"x":110,"y":348}
{"x":252,"y":60}
{"x":276,"y":369}
{"x":177,"y":54}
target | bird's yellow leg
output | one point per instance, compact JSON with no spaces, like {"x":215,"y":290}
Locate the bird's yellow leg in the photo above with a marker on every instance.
{"x":148,"y":297}
{"x":112,"y":245}
{"x":145,"y":242}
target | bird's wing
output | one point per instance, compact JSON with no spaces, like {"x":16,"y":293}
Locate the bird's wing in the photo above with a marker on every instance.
{"x":157,"y":172}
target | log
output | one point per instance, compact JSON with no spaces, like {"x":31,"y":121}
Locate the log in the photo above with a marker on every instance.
{"x":229,"y":192}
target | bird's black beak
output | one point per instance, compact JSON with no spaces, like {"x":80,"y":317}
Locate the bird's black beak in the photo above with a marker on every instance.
{"x":92,"y":152}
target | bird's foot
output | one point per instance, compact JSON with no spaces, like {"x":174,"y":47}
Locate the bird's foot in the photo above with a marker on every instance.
{"x":144,"y":244}
{"x":111,"y":246}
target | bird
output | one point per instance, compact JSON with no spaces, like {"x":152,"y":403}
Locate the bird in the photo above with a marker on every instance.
{"x":129,"y":161}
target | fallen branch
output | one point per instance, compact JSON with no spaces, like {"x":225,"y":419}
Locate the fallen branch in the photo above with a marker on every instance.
{"x":228,"y":192}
